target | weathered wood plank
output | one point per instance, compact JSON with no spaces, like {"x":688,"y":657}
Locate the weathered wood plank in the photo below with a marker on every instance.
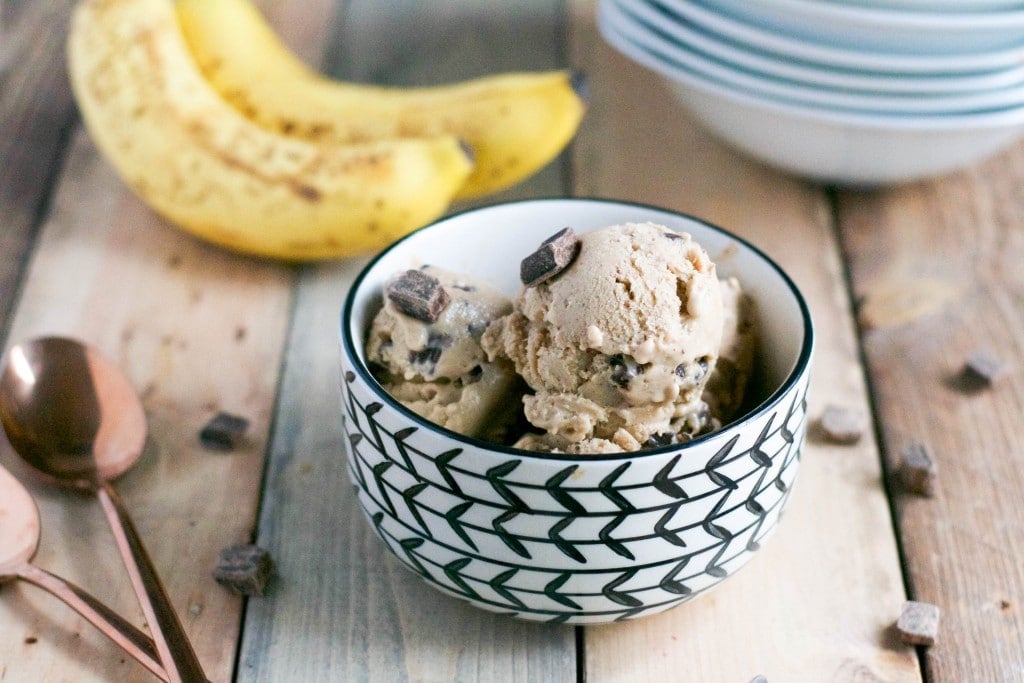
{"x":36,"y":112}
{"x":344,"y":609}
{"x":196,"y":330}
{"x":817,"y":603}
{"x":939,"y":267}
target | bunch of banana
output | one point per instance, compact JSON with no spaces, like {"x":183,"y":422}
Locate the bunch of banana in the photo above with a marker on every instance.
{"x":210,"y":119}
{"x":205,"y":167}
{"x":515,"y":123}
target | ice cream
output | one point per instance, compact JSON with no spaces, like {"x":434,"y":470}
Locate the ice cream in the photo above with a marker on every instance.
{"x":727,"y":384}
{"x":624,"y":338}
{"x":424,"y":349}
{"x":618,"y":345}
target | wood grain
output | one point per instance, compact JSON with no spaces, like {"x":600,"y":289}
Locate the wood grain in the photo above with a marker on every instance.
{"x":963,"y":548}
{"x":196,"y":330}
{"x":818,"y":603}
{"x":344,"y":609}
{"x":36,"y":113}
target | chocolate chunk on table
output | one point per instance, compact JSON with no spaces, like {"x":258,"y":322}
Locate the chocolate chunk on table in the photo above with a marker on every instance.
{"x":917,"y":470}
{"x":223,"y":432}
{"x":983,"y":368}
{"x":418,"y":295}
{"x":918,"y":623}
{"x":554,"y":255}
{"x":842,"y":425}
{"x":244,"y":569}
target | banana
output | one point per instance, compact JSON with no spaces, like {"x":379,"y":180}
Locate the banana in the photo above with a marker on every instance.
{"x":198,"y":162}
{"x":514,"y":122}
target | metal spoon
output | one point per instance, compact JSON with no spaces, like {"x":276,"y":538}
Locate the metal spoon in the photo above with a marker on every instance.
{"x":72,"y":415}
{"x":19,"y":540}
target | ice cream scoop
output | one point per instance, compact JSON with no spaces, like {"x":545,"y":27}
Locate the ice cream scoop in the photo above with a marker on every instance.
{"x":619,"y":344}
{"x":428,"y":354}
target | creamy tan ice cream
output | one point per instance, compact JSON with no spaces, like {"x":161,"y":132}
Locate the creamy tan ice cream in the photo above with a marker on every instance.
{"x":438,"y":369}
{"x":619,"y":345}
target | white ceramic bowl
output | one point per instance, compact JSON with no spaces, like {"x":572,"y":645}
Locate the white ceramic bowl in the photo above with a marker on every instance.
{"x":581,"y":539}
{"x":792,"y":47}
{"x":828,"y":145}
{"x":954,"y":6}
{"x":644,"y":26}
{"x":873,"y":29}
{"x":1010,"y":81}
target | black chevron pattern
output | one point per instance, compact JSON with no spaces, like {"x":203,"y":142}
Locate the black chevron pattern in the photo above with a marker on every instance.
{"x":494,"y":476}
{"x":509,"y":539}
{"x":553,"y":485}
{"x":498,"y":585}
{"x":605,"y":534}
{"x":382,"y":460}
{"x":409,"y":496}
{"x":452,"y":517}
{"x":568,"y":548}
{"x":552,"y":588}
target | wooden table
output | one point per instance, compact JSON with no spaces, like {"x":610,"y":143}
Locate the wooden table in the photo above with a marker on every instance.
{"x":903,"y":283}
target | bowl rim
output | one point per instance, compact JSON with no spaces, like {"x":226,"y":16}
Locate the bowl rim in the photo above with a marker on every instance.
{"x":793,"y":47}
{"x":799,"y":370}
{"x":733,"y":73}
{"x":679,"y":75}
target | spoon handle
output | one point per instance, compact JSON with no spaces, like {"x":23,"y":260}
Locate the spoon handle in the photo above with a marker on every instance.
{"x":176,"y":653}
{"x":110,"y":623}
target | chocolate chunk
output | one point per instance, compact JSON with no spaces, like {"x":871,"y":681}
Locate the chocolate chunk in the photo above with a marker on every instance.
{"x":244,"y":569}
{"x":436,"y":343}
{"x":842,"y":425}
{"x":464,"y":287}
{"x":223,"y":432}
{"x":554,"y":255}
{"x":695,"y":372}
{"x":917,"y":471}
{"x":672,"y":235}
{"x":918,"y":623}
{"x":663,"y":439}
{"x":418,"y":295}
{"x":476,"y":328}
{"x":983,"y":368}
{"x":624,"y":368}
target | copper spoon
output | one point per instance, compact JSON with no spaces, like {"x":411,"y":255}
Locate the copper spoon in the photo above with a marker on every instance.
{"x":19,"y":540}
{"x":72,"y":415}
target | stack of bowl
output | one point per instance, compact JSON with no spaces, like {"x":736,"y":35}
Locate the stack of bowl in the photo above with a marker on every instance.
{"x":856,"y":92}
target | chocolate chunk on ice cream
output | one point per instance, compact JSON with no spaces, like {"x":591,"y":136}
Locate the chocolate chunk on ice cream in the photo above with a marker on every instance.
{"x":437,"y":368}
{"x":619,"y":347}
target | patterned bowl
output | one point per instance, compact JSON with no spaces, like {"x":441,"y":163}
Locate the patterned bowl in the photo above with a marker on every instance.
{"x":578,"y":539}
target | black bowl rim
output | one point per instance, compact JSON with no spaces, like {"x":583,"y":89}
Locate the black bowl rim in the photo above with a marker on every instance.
{"x":798,"y":371}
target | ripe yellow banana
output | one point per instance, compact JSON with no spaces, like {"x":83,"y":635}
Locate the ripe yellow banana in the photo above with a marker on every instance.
{"x":514,"y":122}
{"x":212,"y":171}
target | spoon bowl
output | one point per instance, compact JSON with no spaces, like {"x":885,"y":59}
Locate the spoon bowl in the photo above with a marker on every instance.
{"x":69,"y":412}
{"x":19,"y":539}
{"x":72,"y":415}
{"x":19,"y":524}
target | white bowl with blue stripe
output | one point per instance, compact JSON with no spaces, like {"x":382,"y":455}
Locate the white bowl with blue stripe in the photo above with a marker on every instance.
{"x":681,"y":47}
{"x":881,"y":29}
{"x":821,"y":142}
{"x":752,"y":58}
{"x":791,"y":47}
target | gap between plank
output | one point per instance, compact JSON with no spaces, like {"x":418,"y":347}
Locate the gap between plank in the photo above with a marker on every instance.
{"x":888,"y":480}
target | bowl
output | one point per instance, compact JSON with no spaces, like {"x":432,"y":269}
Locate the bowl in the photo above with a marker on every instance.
{"x":874,"y":29}
{"x":785,"y":45}
{"x":751,"y":59}
{"x":654,"y":32}
{"x":570,"y":538}
{"x":827,"y":145}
